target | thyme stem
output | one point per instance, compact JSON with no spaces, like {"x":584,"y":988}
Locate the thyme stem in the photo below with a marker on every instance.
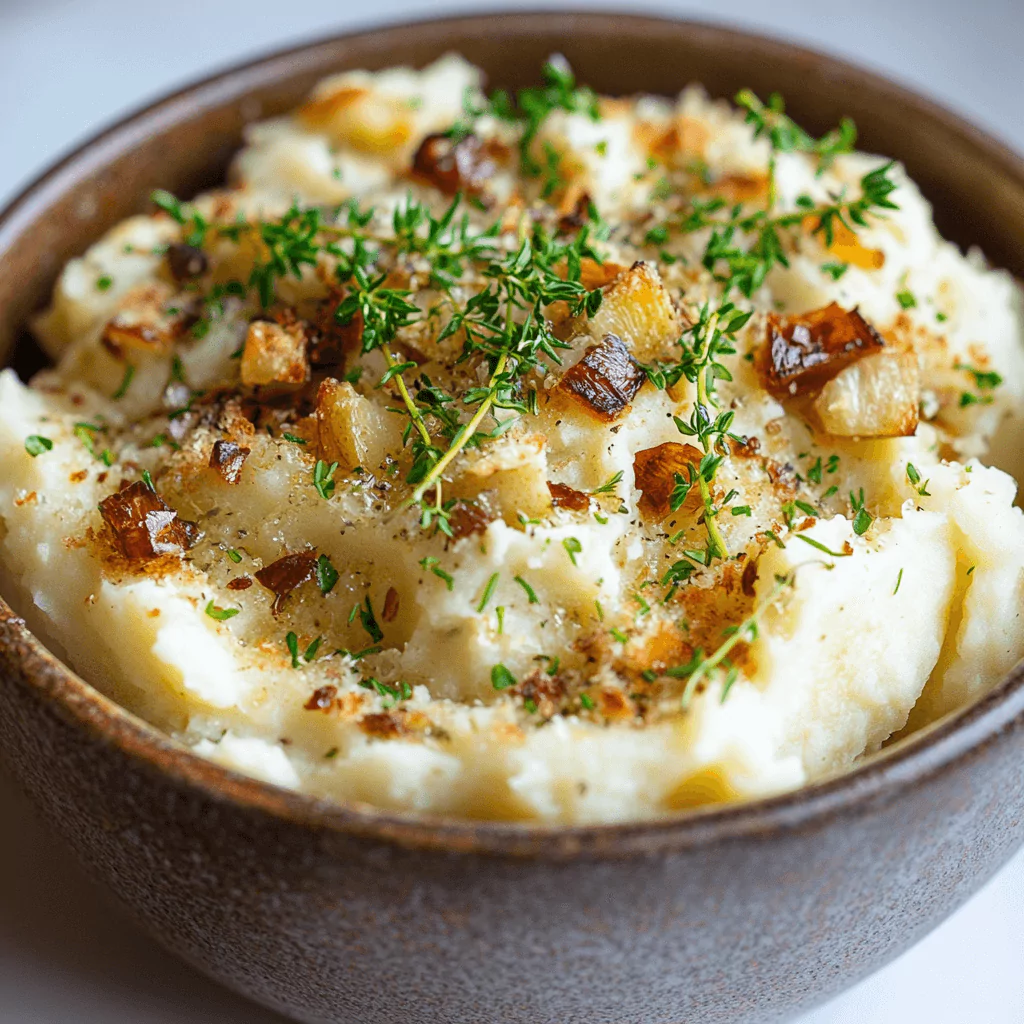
{"x":460,"y":442}
{"x":716,"y":547}
{"x":744,"y":633}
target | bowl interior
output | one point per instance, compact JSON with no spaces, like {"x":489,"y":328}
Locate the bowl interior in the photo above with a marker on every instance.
{"x":185,"y":142}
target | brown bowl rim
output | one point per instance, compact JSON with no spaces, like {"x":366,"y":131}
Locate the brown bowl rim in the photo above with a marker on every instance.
{"x":930,"y":752}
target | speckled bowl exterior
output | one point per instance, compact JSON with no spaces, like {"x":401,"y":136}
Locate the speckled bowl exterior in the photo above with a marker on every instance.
{"x":340,"y":913}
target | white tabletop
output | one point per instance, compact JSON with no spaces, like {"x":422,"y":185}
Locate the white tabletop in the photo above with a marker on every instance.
{"x":68,"y":955}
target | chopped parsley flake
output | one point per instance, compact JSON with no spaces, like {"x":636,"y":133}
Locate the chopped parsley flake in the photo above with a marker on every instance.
{"x":126,"y":383}
{"x":389,"y":695}
{"x":862,"y":519}
{"x":984,"y":380}
{"x":292,"y":643}
{"x":822,"y":547}
{"x":488,"y":593}
{"x":431,"y":563}
{"x":36,"y":444}
{"x":572,"y":548}
{"x":86,"y":433}
{"x":220,"y":614}
{"x":366,"y":617}
{"x":298,"y":660}
{"x":915,"y":480}
{"x":326,"y":575}
{"x":323,"y":478}
{"x":501,"y":678}
{"x":608,"y":487}
{"x":906,"y":299}
{"x":531,"y":594}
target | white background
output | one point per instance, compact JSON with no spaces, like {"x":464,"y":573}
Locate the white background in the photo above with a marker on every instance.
{"x":67,"y":954}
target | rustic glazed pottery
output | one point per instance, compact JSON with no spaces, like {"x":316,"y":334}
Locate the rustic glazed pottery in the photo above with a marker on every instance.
{"x":340,"y":913}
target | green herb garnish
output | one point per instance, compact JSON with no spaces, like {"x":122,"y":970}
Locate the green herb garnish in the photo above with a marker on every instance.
{"x":36,"y":444}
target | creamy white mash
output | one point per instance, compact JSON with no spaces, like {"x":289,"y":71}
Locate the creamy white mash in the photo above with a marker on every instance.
{"x":435,"y":463}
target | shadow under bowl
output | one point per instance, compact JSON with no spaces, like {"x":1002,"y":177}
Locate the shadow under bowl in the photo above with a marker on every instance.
{"x":343,"y":913}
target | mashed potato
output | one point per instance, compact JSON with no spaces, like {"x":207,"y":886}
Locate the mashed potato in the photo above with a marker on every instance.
{"x":568,"y":458}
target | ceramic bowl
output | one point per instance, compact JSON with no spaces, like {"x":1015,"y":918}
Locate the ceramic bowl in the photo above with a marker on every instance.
{"x":343,"y":913}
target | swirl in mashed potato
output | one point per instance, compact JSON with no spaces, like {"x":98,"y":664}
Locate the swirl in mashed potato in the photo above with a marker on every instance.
{"x":561,"y":457}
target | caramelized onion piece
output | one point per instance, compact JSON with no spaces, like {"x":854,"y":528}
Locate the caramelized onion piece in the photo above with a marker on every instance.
{"x":749,"y":578}
{"x":638,"y":308}
{"x":331,"y":343}
{"x":381,"y":725}
{"x":876,"y":397}
{"x":351,"y":429}
{"x":391,"y":602}
{"x":186,"y":262}
{"x":578,"y":215}
{"x":564,"y":496}
{"x":452,"y":167}
{"x":467,"y":518}
{"x":803,"y":352}
{"x":144,"y":525}
{"x":655,"y":472}
{"x":228,"y":458}
{"x":605,"y":380}
{"x":322,"y":699}
{"x":240,"y":583}
{"x":287,"y":573}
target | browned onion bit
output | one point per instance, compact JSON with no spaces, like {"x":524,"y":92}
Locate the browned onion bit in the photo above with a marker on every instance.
{"x":453,"y":166}
{"x":228,"y":458}
{"x":564,"y":496}
{"x":186,"y":262}
{"x":381,"y":725}
{"x":749,"y":578}
{"x":605,"y":380}
{"x":331,"y":343}
{"x":655,"y":472}
{"x":802,"y":353}
{"x":466,"y":518}
{"x":144,"y":525}
{"x":322,"y":699}
{"x":538,"y":686}
{"x":240,"y":583}
{"x":390,"y":605}
{"x":577,"y":216}
{"x":287,"y":573}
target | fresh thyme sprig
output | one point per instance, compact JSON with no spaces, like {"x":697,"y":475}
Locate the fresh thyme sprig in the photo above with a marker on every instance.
{"x":786,"y":136}
{"x":702,"y":666}
{"x":742,"y":249}
{"x":530,"y":108}
{"x":703,"y":347}
{"x":504,"y":326}
{"x":744,"y":265}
